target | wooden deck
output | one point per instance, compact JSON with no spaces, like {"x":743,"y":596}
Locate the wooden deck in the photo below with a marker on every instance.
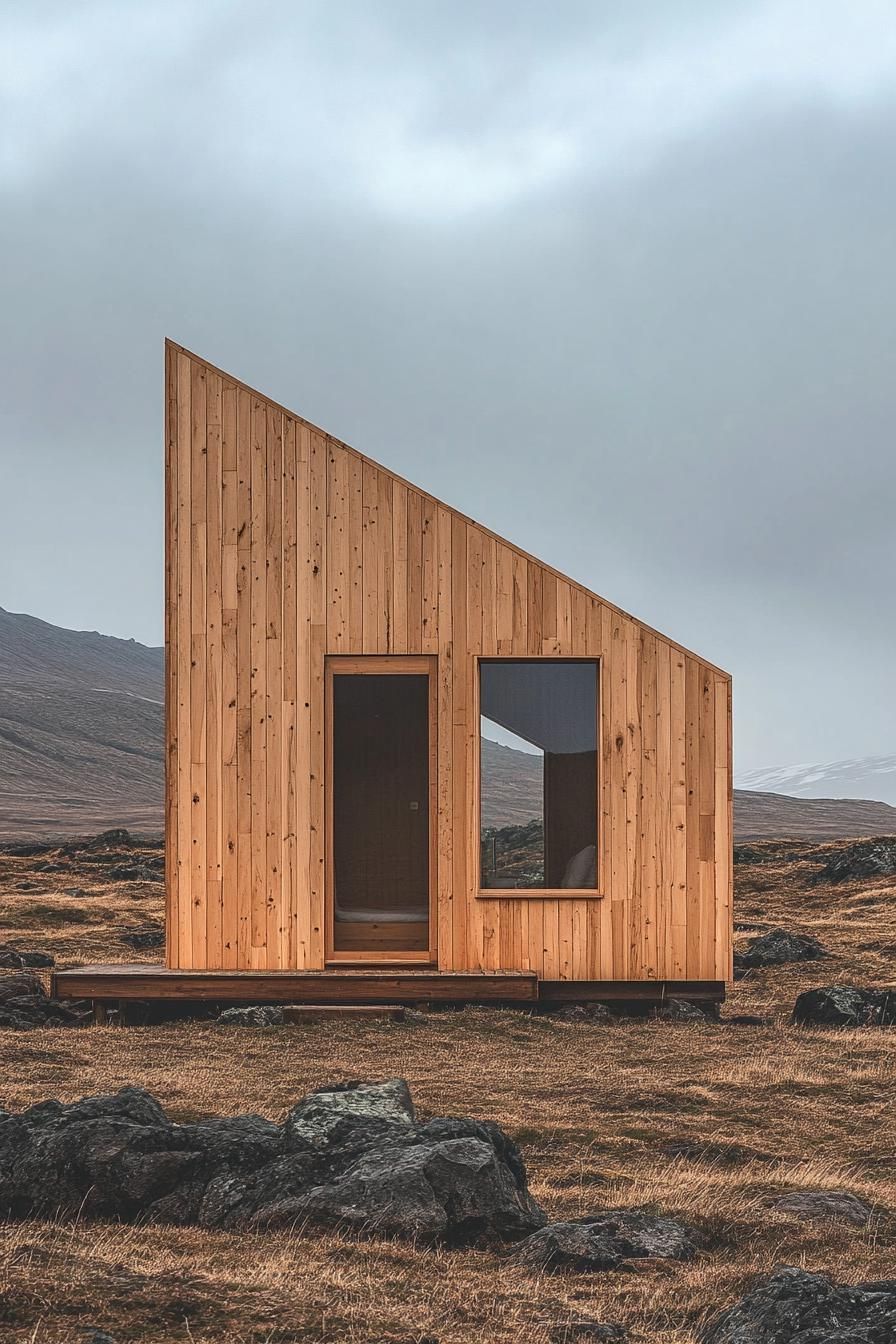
{"x":367,"y":985}
{"x":370,"y":985}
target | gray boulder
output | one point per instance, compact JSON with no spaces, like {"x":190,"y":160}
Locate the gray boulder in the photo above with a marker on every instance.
{"x":116,"y":838}
{"x":332,"y":1114}
{"x":16,"y":958}
{"x":606,"y":1241}
{"x":225,"y":1153}
{"x":135,"y":872}
{"x":777,"y":948}
{"x":143,"y":938}
{"x":357,"y":1159}
{"x":871,"y":858}
{"x":258,"y":1015}
{"x":845,"y":1006}
{"x":597,"y":1013}
{"x":792,"y":1306}
{"x":352,"y":1155}
{"x":682,"y":1010}
{"x":25,"y":1004}
{"x":822,"y":1204}
{"x":455,"y":1190}
{"x":21,"y":982}
{"x":36,"y":1010}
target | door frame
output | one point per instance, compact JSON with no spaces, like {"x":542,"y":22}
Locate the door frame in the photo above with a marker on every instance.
{"x":376,"y":664}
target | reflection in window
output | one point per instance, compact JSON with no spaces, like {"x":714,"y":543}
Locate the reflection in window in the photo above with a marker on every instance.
{"x":538,"y":774}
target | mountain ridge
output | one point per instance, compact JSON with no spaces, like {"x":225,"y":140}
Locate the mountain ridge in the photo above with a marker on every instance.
{"x":82,"y":749}
{"x":34,"y":652}
{"x":81,"y":731}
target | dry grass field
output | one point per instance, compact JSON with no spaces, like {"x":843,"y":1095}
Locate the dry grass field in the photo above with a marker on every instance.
{"x":594,"y":1109}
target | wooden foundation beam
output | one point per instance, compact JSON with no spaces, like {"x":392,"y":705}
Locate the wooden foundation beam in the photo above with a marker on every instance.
{"x":630,"y":991}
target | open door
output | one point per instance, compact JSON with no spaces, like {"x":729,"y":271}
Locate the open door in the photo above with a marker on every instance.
{"x":381,"y":809}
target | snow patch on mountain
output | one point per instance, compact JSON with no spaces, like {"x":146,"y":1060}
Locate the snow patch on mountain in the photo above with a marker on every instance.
{"x":871,"y":777}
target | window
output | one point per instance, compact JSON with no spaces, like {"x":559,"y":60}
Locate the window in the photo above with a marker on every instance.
{"x":538,"y":774}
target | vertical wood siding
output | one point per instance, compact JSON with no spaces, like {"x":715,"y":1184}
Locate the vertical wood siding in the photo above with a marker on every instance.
{"x":284,"y":545}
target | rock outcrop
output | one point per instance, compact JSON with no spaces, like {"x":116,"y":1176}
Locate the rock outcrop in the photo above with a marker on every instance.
{"x":845,"y":1006}
{"x":253,"y":1015}
{"x":605,"y":1241}
{"x":147,"y":936}
{"x":596,"y":1013}
{"x":813,"y":1205}
{"x":135,"y":872}
{"x":352,"y":1156}
{"x":116,"y":838}
{"x":682,"y":1010}
{"x":16,"y":958}
{"x":25,"y":1004}
{"x":792,"y":1306}
{"x":875,"y":857}
{"x":777,"y":948}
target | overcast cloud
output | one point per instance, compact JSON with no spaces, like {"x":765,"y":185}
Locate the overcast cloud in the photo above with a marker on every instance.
{"x":615,"y":279}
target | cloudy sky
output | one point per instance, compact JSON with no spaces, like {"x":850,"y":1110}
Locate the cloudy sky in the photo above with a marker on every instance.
{"x":616,"y":279}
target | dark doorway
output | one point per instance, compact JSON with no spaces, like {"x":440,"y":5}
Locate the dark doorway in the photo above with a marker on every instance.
{"x":380,"y":812}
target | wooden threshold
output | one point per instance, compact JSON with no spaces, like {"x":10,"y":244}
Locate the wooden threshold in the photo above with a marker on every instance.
{"x":380,"y":960}
{"x":335,"y":985}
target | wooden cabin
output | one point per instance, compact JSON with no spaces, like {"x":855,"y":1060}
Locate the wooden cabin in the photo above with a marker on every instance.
{"x":406,"y":759}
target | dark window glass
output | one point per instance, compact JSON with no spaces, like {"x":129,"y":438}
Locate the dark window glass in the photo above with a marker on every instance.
{"x":381,"y":811}
{"x":538,"y":774}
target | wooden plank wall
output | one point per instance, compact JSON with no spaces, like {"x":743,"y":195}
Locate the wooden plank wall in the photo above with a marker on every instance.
{"x":284,"y":545}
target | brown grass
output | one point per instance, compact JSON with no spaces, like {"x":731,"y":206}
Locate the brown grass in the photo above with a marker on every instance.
{"x":592,"y":1108}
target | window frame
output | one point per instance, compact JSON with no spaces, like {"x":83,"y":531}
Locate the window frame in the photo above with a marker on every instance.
{"x":594,"y":893}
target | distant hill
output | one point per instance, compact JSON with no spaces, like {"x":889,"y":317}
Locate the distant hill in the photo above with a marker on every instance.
{"x":772,"y":816}
{"x":82,"y":749}
{"x":35,"y":653}
{"x":81,"y":731}
{"x":511,"y":785}
{"x":513,"y":796}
